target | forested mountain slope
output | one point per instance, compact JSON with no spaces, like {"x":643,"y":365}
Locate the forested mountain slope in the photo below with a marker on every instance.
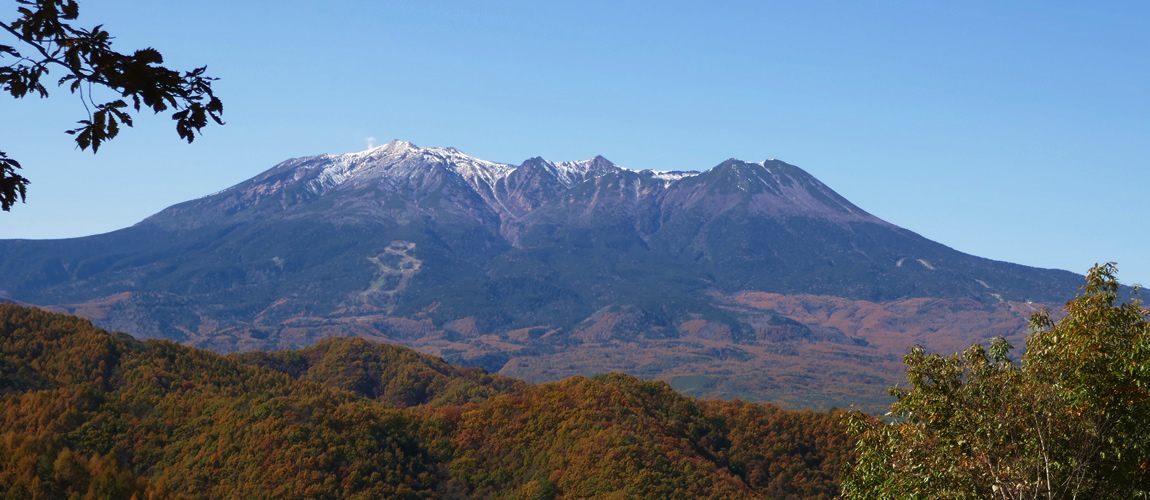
{"x":83,"y":411}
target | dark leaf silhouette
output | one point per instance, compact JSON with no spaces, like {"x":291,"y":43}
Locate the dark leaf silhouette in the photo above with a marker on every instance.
{"x":89,"y":64}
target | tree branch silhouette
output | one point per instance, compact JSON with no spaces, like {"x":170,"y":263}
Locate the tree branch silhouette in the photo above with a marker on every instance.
{"x":88,"y":60}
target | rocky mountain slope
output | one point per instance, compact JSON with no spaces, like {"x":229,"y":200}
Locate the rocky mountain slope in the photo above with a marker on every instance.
{"x":544,"y":270}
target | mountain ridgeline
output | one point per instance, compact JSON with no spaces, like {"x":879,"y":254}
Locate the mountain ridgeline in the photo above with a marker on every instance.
{"x":487,"y":263}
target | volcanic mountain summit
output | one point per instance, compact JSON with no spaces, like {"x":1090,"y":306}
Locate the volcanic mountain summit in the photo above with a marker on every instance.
{"x":538,"y":270}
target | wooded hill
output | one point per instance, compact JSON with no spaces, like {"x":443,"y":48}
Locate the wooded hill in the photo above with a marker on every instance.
{"x":89,"y":414}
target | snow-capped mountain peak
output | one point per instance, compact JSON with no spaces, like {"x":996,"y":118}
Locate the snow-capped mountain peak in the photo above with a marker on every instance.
{"x":401,"y":166}
{"x":572,"y":172}
{"x":395,"y":160}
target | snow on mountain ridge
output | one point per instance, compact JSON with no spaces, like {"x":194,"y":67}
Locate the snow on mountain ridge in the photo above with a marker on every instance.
{"x":475,"y":170}
{"x":511,"y":192}
{"x":670,"y":176}
{"x":570,"y":172}
{"x":403,"y":159}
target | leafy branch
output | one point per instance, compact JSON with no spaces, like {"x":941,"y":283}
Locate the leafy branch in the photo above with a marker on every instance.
{"x":87,"y":60}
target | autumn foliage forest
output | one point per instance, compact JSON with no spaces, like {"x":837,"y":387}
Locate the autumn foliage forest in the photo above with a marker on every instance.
{"x":89,"y":414}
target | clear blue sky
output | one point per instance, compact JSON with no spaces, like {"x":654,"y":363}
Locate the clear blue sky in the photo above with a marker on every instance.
{"x":1017,"y":132}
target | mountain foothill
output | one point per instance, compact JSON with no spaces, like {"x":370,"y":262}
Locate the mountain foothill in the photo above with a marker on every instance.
{"x":748,"y":280}
{"x":85,"y":413}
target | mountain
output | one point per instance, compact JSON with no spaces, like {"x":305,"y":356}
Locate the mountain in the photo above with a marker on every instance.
{"x":545,"y":270}
{"x":88,"y":414}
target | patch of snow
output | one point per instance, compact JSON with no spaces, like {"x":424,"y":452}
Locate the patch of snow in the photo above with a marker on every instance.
{"x":765,"y":164}
{"x":471,"y":168}
{"x":570,"y":172}
{"x":925,"y":264}
{"x":671,"y":176}
{"x":377,"y":161}
{"x":668,"y":177}
{"x":213,"y":194}
{"x":399,"y":158}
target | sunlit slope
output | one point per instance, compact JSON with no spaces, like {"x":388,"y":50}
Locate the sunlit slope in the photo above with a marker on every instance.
{"x":84,"y":411}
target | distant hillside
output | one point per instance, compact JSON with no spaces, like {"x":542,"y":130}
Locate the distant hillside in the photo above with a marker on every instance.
{"x":88,"y":413}
{"x":386,"y":373}
{"x":542,"y":270}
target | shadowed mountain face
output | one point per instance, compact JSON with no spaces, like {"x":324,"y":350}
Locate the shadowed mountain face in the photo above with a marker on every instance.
{"x":568,"y":264}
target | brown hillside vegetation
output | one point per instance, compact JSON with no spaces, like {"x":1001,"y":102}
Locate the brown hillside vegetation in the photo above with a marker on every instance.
{"x":803,"y":351}
{"x":90,"y":414}
{"x":387,"y":373}
{"x":807,"y":351}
